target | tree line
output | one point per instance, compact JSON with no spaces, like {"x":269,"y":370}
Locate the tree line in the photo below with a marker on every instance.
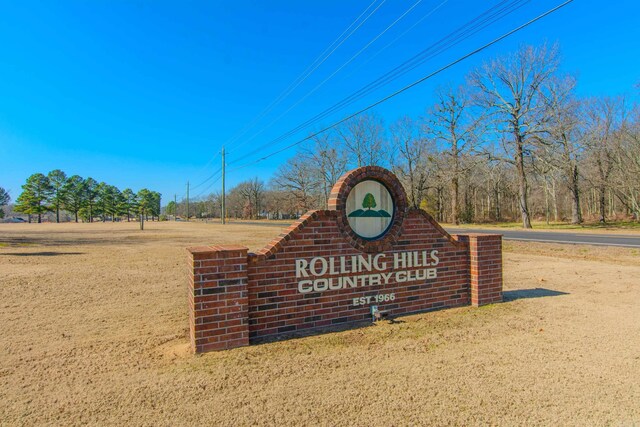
{"x":514,"y":142}
{"x":85,"y":199}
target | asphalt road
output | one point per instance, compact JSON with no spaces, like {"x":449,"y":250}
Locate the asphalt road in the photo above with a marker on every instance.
{"x":622,"y":240}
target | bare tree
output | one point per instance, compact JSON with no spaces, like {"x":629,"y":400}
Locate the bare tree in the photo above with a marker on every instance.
{"x":509,"y":89}
{"x":235,"y":202}
{"x":363,"y":139}
{"x":296,"y":176}
{"x":281,"y":204}
{"x":409,"y":164}
{"x":452,"y":124}
{"x":327,"y":162}
{"x":246,"y":200}
{"x":627,"y":157}
{"x":496,"y":179}
{"x":604,"y":117}
{"x":253,"y":190}
{"x":547,"y":177}
{"x":564,"y":139}
{"x":213,"y":202}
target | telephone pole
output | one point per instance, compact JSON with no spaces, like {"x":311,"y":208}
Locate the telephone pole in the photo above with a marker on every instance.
{"x":223,"y":212}
{"x":187,"y":200}
{"x":175,"y":207}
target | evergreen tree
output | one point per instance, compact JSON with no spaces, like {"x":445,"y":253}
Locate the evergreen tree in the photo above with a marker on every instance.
{"x":128,"y":203}
{"x":145,"y":202}
{"x":116,"y":202}
{"x":75,"y":194}
{"x":156,"y":201}
{"x":90,"y":197}
{"x":171,"y":208}
{"x":33,"y":199}
{"x":4,"y":200}
{"x":57,"y":180}
{"x":107,"y":201}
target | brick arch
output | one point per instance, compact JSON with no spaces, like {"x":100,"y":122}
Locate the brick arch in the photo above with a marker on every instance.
{"x":338,"y":201}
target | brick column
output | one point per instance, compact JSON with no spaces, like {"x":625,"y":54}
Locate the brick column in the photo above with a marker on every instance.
{"x":218,"y":298}
{"x":485,"y":258}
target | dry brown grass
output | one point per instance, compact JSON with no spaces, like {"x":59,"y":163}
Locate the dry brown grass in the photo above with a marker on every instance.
{"x":94,"y":331}
{"x":610,"y":255}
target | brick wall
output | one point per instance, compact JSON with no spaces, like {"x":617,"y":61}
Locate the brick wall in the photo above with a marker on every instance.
{"x":276,"y":306}
{"x":485,"y":256}
{"x":218,"y":299}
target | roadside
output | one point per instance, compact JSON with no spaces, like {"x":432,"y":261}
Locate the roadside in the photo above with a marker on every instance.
{"x":617,"y":227}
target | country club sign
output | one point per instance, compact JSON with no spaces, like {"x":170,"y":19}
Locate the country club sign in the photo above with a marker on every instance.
{"x":368,"y":254}
{"x":322,"y":274}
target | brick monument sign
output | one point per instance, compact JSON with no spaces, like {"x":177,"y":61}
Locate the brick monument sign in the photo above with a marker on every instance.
{"x":368,"y":256}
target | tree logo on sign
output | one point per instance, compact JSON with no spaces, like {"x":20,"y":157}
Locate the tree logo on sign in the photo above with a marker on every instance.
{"x":369,"y":209}
{"x":368,"y":203}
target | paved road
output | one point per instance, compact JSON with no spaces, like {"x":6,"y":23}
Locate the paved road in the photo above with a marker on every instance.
{"x":628,"y":240}
{"x":624,"y":240}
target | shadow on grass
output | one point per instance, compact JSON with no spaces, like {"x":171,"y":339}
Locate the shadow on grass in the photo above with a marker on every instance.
{"x":285,"y":336}
{"x":340,"y":327}
{"x":43,"y":253}
{"x":530,"y":293}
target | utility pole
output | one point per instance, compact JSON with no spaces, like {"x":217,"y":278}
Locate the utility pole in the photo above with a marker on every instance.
{"x":175,"y":207}
{"x":223,"y":212}
{"x":187,"y":200}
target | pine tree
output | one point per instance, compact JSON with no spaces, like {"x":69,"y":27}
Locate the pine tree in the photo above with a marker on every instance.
{"x":91,"y":194}
{"x":75,"y":192}
{"x":107,"y":200}
{"x":4,"y":200}
{"x":156,"y":203}
{"x":33,"y":199}
{"x":127,"y":203}
{"x":57,"y":180}
{"x":145,"y":202}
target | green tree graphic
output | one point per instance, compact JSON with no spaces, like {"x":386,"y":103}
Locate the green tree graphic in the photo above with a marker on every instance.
{"x":369,"y":201}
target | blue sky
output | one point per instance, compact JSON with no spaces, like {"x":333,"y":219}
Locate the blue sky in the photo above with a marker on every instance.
{"x":144,"y":94}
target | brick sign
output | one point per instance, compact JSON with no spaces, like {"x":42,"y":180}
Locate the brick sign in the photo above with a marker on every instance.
{"x":368,"y":255}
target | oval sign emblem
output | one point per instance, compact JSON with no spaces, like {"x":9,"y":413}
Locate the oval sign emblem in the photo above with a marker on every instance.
{"x":370,"y":209}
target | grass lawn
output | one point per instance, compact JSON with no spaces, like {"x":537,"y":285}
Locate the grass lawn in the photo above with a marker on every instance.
{"x":94,"y":331}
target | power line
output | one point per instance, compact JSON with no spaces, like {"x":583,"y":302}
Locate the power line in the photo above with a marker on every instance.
{"x":207,"y":188}
{"x":409,"y":86}
{"x":336,"y":71}
{"x":418,"y":22}
{"x":205,"y":167}
{"x":396,"y":72}
{"x":427,"y":54}
{"x":478,"y":23}
{"x":208,"y":179}
{"x":308,"y":71}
